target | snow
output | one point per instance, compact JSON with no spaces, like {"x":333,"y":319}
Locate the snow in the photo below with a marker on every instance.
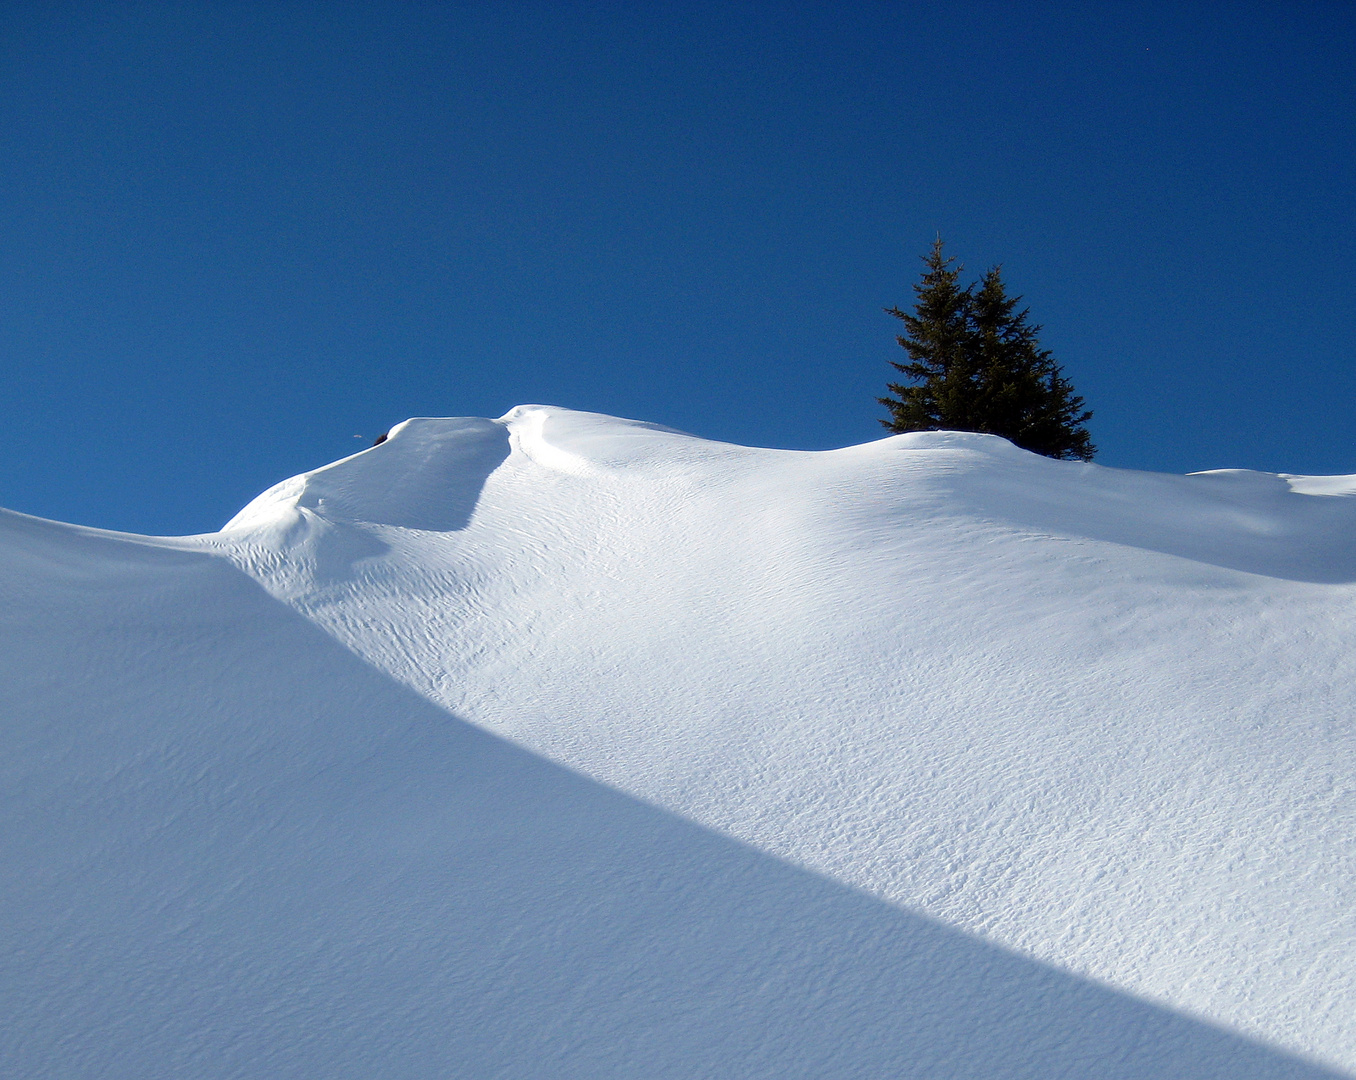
{"x":567,"y":746}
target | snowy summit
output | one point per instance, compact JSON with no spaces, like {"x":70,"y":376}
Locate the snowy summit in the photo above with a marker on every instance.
{"x":561,"y":745}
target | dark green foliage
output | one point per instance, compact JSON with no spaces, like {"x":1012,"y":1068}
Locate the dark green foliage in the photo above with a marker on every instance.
{"x":976,"y":364}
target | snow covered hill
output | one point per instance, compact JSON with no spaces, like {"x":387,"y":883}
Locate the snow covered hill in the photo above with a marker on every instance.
{"x":568,"y":746}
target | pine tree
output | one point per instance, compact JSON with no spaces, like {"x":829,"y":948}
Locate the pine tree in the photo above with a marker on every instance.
{"x":1021,"y":392}
{"x":936,"y":338}
{"x":978,"y":366}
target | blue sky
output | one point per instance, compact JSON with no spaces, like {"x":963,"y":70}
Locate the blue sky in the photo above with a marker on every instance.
{"x":234,"y":236}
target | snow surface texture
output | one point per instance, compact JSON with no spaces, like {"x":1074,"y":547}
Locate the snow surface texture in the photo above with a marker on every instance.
{"x":567,"y":746}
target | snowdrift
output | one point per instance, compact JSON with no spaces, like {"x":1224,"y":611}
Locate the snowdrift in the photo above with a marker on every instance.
{"x":568,"y":746}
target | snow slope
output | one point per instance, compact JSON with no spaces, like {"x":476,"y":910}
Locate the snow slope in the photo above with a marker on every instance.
{"x":562,"y":745}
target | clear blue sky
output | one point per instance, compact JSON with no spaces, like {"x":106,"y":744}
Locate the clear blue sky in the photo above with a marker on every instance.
{"x":233,"y":236}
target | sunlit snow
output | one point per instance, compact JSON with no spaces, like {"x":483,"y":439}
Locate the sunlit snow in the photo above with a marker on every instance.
{"x":567,"y":746}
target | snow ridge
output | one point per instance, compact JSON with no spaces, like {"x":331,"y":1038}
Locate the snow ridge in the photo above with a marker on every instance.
{"x":565,"y":745}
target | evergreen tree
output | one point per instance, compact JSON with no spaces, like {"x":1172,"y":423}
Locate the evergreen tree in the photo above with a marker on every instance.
{"x":936,"y":338}
{"x":978,"y":366}
{"x":1021,"y":393}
